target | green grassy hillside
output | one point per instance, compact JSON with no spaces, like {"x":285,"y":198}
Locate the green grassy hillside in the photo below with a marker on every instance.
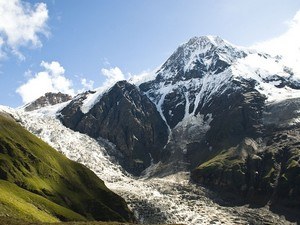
{"x":12,"y":221}
{"x":39,"y":184}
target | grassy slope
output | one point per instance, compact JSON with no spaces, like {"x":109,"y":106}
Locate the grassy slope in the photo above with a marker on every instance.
{"x":224,"y":169}
{"x":20,"y":203}
{"x":56,"y":183}
{"x":12,"y":221}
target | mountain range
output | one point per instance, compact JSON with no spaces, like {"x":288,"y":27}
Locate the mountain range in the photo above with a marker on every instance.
{"x":226,"y":115}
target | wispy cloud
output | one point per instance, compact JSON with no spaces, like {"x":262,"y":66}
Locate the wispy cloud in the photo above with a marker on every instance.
{"x":21,"y":25}
{"x":115,"y":74}
{"x":144,"y":76}
{"x":51,"y":79}
{"x":287,"y":45}
{"x":112,"y":76}
{"x":86,"y":85}
{"x":2,"y":55}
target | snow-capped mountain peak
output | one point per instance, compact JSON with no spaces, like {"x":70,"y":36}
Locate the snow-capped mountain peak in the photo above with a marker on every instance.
{"x":205,"y":41}
{"x":205,"y":54}
{"x":208,"y":66}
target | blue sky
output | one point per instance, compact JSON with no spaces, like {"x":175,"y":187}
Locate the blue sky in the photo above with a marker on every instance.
{"x":84,"y":44}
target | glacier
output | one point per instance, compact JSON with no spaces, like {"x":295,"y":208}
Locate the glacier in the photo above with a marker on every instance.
{"x":170,"y":199}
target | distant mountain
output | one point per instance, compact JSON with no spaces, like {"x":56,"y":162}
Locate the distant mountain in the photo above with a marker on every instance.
{"x":39,"y":184}
{"x":46,"y":100}
{"x":226,"y":113}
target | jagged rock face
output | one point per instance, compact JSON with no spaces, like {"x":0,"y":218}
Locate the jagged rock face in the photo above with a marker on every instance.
{"x":48,"y":99}
{"x":200,"y":55}
{"x":206,"y":70}
{"x":217,"y":124}
{"x":183,"y":82}
{"x":221,"y":96}
{"x":235,"y":115}
{"x":269,"y":171}
{"x":283,"y":115}
{"x":71,"y":115}
{"x":196,"y":89}
{"x":127,"y":118}
{"x":265,"y":169}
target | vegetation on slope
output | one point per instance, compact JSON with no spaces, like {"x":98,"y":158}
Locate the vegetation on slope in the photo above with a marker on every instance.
{"x":10,"y":221}
{"x":39,"y":184}
{"x":20,"y":203}
{"x":260,"y":173}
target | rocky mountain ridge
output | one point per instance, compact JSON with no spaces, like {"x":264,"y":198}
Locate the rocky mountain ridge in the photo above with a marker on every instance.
{"x":199,"y":113}
{"x":46,"y":100}
{"x":127,"y":118}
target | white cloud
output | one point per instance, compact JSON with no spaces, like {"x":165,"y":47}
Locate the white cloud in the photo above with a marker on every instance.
{"x":112,"y":75}
{"x":86,"y":85}
{"x":20,"y":25}
{"x":51,"y":79}
{"x":2,"y":54}
{"x":106,"y":62}
{"x":142,"y":77}
{"x":287,"y":45}
{"x":54,"y":67}
{"x":115,"y":74}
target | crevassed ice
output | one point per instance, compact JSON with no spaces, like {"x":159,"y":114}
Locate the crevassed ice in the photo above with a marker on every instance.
{"x":170,"y":199}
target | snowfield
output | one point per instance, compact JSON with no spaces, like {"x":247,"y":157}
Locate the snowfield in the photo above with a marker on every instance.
{"x":172,"y":199}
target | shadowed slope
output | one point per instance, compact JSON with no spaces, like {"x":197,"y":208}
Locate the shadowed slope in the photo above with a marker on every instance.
{"x":60,"y":189}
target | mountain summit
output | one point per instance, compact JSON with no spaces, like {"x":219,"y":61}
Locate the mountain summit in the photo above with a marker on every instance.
{"x":207,"y":66}
{"x":200,"y":55}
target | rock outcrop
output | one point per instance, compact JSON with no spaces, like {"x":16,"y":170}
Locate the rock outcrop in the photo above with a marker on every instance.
{"x":127,"y":118}
{"x":46,"y":100}
{"x":264,"y":169}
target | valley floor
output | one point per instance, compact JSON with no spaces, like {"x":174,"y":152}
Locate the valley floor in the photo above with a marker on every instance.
{"x":170,"y":199}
